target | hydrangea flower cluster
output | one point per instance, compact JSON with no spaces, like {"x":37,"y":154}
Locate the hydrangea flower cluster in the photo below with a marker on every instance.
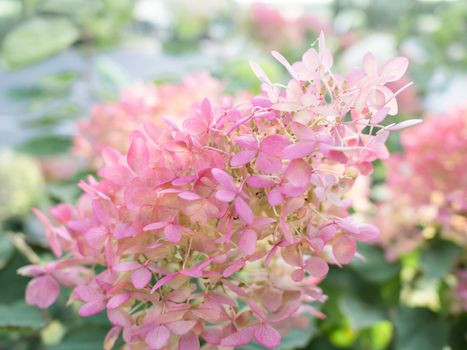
{"x":221,"y":228}
{"x":429,"y":175}
{"x":139,"y":103}
{"x":278,"y":31}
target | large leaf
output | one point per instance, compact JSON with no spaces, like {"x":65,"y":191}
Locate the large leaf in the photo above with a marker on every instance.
{"x":6,"y":250}
{"x":47,"y":145}
{"x":438,"y":260}
{"x":20,"y":315}
{"x":82,"y":337}
{"x":375,"y":268}
{"x":418,"y":329}
{"x":361,"y":315}
{"x":458,"y":334}
{"x":36,"y":39}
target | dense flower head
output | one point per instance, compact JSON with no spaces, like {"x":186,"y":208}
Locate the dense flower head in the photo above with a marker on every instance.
{"x":429,"y":175}
{"x":222,"y":227}
{"x":111,"y":123}
{"x":275,"y":30}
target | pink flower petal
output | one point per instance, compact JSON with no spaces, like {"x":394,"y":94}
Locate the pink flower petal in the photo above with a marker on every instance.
{"x":141,"y":277}
{"x":344,"y":249}
{"x":138,"y":155}
{"x":155,"y":226}
{"x":240,"y":338}
{"x":127,"y":266}
{"x":42,"y":291}
{"x":242,"y":158}
{"x":298,"y":150}
{"x":118,"y":300}
{"x":259,"y":182}
{"x":275,"y":197}
{"x":157,"y":337}
{"x":87,"y":294}
{"x":247,"y":241}
{"x":189,"y":196}
{"x":225,"y":195}
{"x":224,"y":179}
{"x":298,"y":173}
{"x":181,"y":327}
{"x":267,"y":336}
{"x":244,"y":211}
{"x":173,"y":233}
{"x":91,"y":308}
{"x":234,"y":268}
{"x":317,"y":267}
{"x":189,"y":341}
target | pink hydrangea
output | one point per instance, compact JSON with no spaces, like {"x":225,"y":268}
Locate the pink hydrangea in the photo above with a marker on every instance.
{"x":429,"y":177}
{"x":281,"y":32}
{"x":222,"y":228}
{"x":111,"y":123}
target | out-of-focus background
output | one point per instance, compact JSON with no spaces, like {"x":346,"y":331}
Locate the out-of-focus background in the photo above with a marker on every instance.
{"x":71,"y":70}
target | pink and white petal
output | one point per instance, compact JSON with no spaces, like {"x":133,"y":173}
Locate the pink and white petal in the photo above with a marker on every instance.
{"x":275,"y":197}
{"x":267,"y":336}
{"x":258,"y":181}
{"x":42,"y":291}
{"x":274,"y":144}
{"x":224,"y":179}
{"x":111,"y":337}
{"x":233,"y":268}
{"x":91,"y":308}
{"x":155,"y":226}
{"x":118,"y":300}
{"x":243,"y":210}
{"x":298,"y":173}
{"x":394,"y":69}
{"x":268,"y":164}
{"x":247,"y":241}
{"x":242,"y":158}
{"x":87,"y":294}
{"x":141,"y":277}
{"x":173,"y":233}
{"x":157,"y":337}
{"x":181,"y":327}
{"x":367,"y":233}
{"x":225,"y":195}
{"x":298,"y":150}
{"x":127,"y":266}
{"x":317,"y":267}
{"x":138,"y":155}
{"x":189,"y":341}
{"x":343,"y":249}
{"x":240,"y":338}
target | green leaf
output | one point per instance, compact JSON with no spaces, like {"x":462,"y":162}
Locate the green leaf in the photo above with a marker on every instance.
{"x":20,"y":315}
{"x":6,"y":250}
{"x":361,"y":315}
{"x":36,"y":39}
{"x":418,"y":329}
{"x":458,"y":334}
{"x":438,"y":260}
{"x":82,"y":337}
{"x":47,"y":145}
{"x":13,"y":285}
{"x":376,"y":268}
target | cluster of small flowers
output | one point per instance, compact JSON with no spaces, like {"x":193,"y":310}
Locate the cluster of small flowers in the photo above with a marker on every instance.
{"x":275,"y":30}
{"x":429,"y":178}
{"x":110,"y":124}
{"x":221,"y":228}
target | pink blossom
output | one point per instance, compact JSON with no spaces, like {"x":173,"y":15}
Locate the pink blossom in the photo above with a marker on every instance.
{"x":223,"y":226}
